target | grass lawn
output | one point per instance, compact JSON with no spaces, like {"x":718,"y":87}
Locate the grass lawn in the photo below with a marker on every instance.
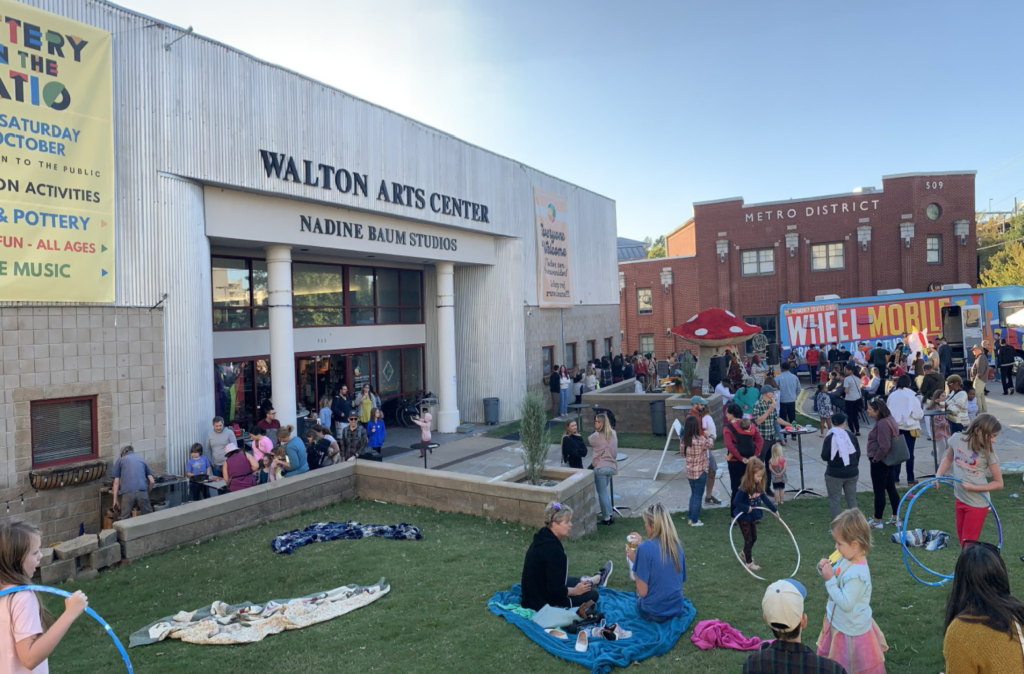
{"x":435,"y":618}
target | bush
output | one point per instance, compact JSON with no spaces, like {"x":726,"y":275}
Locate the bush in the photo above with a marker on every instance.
{"x":533,"y":434}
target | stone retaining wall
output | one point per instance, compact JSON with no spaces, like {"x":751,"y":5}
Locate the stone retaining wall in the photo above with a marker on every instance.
{"x":440,"y":490}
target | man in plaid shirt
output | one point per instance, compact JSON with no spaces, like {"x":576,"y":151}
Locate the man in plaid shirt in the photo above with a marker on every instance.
{"x":766,"y":419}
{"x":783,"y":609}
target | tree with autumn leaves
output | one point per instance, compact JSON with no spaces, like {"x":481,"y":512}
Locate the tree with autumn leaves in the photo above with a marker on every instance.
{"x":1001,"y":251}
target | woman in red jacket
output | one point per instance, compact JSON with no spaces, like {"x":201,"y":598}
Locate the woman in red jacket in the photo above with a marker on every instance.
{"x":742,"y":440}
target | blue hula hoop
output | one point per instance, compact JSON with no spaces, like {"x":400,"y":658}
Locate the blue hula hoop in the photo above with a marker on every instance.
{"x":62,"y":593}
{"x":913,"y":493}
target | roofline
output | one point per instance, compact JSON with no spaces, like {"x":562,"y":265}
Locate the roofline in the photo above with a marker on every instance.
{"x":823,"y":196}
{"x":191,"y":33}
{"x":685,"y":224}
{"x":717,"y":201}
{"x":933,"y":173}
{"x":657,"y":259}
{"x":833,"y":196}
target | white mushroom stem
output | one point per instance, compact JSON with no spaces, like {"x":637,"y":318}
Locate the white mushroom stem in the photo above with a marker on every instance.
{"x":704,"y":354}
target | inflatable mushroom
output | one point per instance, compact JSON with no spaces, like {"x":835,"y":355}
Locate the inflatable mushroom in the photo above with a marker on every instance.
{"x":712,"y":330}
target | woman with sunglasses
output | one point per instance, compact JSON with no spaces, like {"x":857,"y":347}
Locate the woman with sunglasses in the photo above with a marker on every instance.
{"x":984,"y":626}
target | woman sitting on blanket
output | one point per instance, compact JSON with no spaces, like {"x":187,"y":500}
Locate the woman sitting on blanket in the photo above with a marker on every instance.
{"x":658,"y":567}
{"x":544,"y":580}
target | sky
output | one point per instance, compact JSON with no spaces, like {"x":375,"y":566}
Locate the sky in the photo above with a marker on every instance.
{"x":660,"y":104}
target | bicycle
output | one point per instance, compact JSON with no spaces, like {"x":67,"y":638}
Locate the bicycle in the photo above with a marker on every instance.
{"x":408,"y":409}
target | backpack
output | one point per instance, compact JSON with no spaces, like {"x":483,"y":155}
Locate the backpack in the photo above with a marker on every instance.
{"x":744,"y":442}
{"x":316,"y":453}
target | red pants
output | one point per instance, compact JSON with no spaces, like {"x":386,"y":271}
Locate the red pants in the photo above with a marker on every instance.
{"x":969,"y":521}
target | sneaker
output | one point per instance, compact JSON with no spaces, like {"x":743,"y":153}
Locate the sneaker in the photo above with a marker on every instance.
{"x":698,"y":523}
{"x":892,"y":521}
{"x":911,"y":483}
{"x":608,"y":521}
{"x":605,"y":573}
{"x":621,"y":633}
{"x":711,"y":500}
{"x":875,"y":524}
{"x":582,"y":642}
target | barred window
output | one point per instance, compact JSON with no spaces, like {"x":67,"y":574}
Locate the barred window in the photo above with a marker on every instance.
{"x":63,"y":431}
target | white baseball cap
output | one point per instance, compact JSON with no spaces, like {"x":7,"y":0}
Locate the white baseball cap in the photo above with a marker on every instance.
{"x":783,"y":604}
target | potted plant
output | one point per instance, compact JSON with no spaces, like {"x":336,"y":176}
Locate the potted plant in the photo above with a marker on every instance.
{"x":533,"y":435}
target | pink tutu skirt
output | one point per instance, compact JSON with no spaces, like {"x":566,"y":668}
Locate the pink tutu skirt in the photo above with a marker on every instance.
{"x":859,"y":655}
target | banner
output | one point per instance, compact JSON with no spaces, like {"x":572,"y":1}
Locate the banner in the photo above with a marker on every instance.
{"x":554,"y":269}
{"x":56,"y":159}
{"x":880,"y":320}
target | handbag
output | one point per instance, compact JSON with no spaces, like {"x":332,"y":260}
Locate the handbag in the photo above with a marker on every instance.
{"x":952,"y":417}
{"x":898,"y":449}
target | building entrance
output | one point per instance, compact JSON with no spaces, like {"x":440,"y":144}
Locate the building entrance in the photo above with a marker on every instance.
{"x":318,"y":376}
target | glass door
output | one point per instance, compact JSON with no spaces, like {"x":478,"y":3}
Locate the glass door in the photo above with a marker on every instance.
{"x":306,"y":384}
{"x":364,"y":371}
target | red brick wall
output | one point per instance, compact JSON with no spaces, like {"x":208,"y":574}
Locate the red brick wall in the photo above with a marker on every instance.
{"x":703,"y":281}
{"x":682,"y":241}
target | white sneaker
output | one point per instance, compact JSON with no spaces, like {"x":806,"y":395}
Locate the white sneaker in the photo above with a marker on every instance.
{"x":698,"y":523}
{"x":581,"y":641}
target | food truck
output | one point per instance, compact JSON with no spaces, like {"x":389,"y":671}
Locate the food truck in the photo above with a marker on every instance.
{"x":963,"y":315}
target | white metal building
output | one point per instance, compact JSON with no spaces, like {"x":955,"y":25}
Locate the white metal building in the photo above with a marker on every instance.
{"x":295,"y":237}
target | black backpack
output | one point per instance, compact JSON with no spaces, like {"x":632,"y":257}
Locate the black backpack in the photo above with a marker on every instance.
{"x":744,"y":442}
{"x":316,"y":453}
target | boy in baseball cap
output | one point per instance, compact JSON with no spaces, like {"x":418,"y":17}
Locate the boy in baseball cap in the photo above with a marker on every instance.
{"x":783,"y":609}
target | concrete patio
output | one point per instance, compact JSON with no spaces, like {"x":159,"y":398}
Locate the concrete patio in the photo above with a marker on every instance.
{"x":635,"y":488}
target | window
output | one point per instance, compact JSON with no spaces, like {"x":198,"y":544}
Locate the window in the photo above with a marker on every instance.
{"x":318,"y":296}
{"x":63,"y":431}
{"x":934,"y":251}
{"x":239,"y":293}
{"x":827,"y":256}
{"x":644,"y":303}
{"x":570,"y":355}
{"x":412,"y":370}
{"x":547,"y":358}
{"x":646,"y":343}
{"x":607,"y":347}
{"x":239,"y":386}
{"x":1014,"y":309}
{"x":384,"y":296}
{"x":758,"y":262}
{"x":768,"y":328}
{"x":591,"y":350}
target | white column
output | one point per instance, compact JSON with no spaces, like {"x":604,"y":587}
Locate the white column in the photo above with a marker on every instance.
{"x":447,"y":396}
{"x":282,"y":346}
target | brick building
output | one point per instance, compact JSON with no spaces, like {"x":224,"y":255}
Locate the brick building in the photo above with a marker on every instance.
{"x":917,"y":230}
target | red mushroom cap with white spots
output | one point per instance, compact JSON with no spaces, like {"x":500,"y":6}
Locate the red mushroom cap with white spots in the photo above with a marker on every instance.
{"x":716,"y":327}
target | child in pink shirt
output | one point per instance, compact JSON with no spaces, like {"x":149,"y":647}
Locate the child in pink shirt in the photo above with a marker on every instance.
{"x":25,"y":640}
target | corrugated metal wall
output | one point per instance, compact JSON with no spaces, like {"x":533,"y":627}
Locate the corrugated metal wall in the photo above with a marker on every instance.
{"x":489,"y":333}
{"x":188,"y":316}
{"x":202,"y":111}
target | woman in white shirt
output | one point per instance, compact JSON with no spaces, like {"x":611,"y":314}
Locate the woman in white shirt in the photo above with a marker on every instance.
{"x":906,"y":410}
{"x":591,"y":379}
{"x":757,"y":370}
{"x":723,"y":390}
{"x":564,"y":382}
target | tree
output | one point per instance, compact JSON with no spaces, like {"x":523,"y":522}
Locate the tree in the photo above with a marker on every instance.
{"x":533,"y":435}
{"x":1005,"y":267}
{"x":993,"y":232}
{"x":655,"y":248}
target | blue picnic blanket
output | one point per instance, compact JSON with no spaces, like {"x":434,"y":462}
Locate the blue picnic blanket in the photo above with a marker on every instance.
{"x":333,"y":531}
{"x":649,"y":639}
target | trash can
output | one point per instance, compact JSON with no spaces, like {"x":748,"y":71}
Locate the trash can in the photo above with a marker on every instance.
{"x":492,"y":410}
{"x":657,"y":417}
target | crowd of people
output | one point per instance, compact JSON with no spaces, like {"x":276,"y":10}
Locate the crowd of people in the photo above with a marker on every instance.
{"x":568,"y":384}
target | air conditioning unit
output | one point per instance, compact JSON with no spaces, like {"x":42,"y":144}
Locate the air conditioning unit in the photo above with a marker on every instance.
{"x":891,"y":291}
{"x":825,"y":298}
{"x":957,"y":286}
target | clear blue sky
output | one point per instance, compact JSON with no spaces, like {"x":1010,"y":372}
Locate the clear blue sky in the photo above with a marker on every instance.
{"x":660,"y":104}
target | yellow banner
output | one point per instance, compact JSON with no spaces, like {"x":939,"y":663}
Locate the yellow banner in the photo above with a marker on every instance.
{"x":56,"y":159}
{"x":554,"y":269}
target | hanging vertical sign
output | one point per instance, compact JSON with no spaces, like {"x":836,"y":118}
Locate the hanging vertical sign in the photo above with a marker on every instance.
{"x":56,"y":159}
{"x":554,"y":270}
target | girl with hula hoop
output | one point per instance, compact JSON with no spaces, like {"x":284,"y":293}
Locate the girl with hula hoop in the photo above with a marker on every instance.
{"x":971,"y":455}
{"x":747,"y":503}
{"x":28,"y":634}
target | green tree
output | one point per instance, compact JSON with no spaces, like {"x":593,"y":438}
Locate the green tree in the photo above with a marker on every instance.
{"x":1005,"y":267}
{"x":993,"y":232}
{"x":656,"y":247}
{"x":533,"y":435}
